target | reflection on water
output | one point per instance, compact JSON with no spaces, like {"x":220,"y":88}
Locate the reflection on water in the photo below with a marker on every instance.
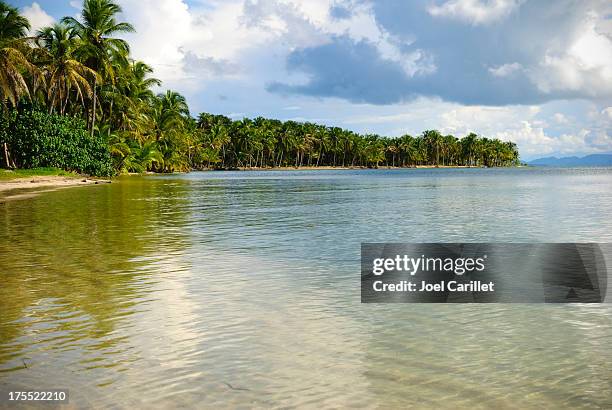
{"x":242,"y":290}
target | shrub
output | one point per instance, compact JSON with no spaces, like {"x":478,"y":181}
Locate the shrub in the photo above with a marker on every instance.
{"x":37,"y":139}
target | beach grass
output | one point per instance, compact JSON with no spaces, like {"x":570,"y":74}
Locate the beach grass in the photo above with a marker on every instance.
{"x":10,"y":174}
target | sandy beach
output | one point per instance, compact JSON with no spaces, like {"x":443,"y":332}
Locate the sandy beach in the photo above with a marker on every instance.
{"x":21,"y":188}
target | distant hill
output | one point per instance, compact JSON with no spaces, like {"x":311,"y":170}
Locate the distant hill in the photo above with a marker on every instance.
{"x":595,"y":160}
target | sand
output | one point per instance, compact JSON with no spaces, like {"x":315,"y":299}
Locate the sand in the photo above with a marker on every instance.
{"x":22,"y":188}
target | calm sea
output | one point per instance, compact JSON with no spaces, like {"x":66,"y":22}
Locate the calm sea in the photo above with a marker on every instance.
{"x":242,"y":290}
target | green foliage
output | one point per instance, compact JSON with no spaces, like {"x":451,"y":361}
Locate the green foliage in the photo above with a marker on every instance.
{"x":37,"y":139}
{"x":264,"y":143}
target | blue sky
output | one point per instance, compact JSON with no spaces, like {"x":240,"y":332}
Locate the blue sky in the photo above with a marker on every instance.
{"x":535,"y":72}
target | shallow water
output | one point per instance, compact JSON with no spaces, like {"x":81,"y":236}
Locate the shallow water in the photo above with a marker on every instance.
{"x":242,"y":289}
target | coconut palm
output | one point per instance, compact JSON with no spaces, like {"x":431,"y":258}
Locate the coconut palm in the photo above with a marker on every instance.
{"x":98,"y":48}
{"x":130,"y":99}
{"x":14,"y":64}
{"x":63,"y":72}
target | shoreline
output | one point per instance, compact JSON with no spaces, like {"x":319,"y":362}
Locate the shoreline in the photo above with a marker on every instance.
{"x":27,"y":187}
{"x":345,"y":168}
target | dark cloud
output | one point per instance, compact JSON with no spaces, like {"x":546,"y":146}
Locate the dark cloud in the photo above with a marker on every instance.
{"x":339,"y":69}
{"x":465,"y":56}
{"x":355,"y":71}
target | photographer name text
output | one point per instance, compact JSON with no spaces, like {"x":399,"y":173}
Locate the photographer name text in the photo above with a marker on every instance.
{"x":442,"y":286}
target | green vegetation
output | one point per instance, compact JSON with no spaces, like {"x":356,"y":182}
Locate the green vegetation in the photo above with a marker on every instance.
{"x":271,"y":143}
{"x":38,"y":139}
{"x":72,"y":97}
{"x":34,"y":172}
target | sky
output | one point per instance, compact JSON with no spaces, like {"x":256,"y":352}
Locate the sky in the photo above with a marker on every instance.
{"x":536,"y":72}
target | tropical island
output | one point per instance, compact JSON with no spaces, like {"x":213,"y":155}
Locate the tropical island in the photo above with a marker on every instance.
{"x":74,"y":99}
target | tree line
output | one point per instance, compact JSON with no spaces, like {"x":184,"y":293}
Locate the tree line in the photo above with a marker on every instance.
{"x":81,"y":68}
{"x":262,"y":142}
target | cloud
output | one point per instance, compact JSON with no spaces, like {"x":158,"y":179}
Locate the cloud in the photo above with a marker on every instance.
{"x":560,"y":118}
{"x":207,"y":66}
{"x":534,"y":141}
{"x":585,"y":67}
{"x":357,"y":72}
{"x":190,"y":45}
{"x":505,"y":70}
{"x":289,"y":21}
{"x":161,"y":29}
{"x":475,"y":11}
{"x":545,"y":52}
{"x":341,"y":68}
{"x":37,"y":16}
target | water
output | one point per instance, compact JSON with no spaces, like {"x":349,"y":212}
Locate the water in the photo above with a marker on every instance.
{"x":241,"y":290}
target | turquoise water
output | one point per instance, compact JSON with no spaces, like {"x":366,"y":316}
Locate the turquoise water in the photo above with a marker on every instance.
{"x":241,"y":289}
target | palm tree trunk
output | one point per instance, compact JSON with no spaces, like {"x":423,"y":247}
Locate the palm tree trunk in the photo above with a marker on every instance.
{"x":6,"y":156}
{"x":65,"y":104}
{"x":93,"y":117}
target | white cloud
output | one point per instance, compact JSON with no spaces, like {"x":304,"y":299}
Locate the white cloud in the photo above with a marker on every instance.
{"x":584,"y":66}
{"x":485,"y":120}
{"x":534,"y":141}
{"x":475,"y":11}
{"x":505,"y":70}
{"x":169,"y":35}
{"x":37,"y":16}
{"x":161,"y":29}
{"x":607,"y":112}
{"x":560,"y":118}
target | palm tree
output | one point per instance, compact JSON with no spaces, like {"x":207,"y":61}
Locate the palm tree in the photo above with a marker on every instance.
{"x":168,"y":117}
{"x":98,"y":48}
{"x":14,"y":64}
{"x":432,"y":139}
{"x":323,"y":141}
{"x":130,"y":99}
{"x":468,"y":148}
{"x":62,"y":71}
{"x":219,"y":140}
